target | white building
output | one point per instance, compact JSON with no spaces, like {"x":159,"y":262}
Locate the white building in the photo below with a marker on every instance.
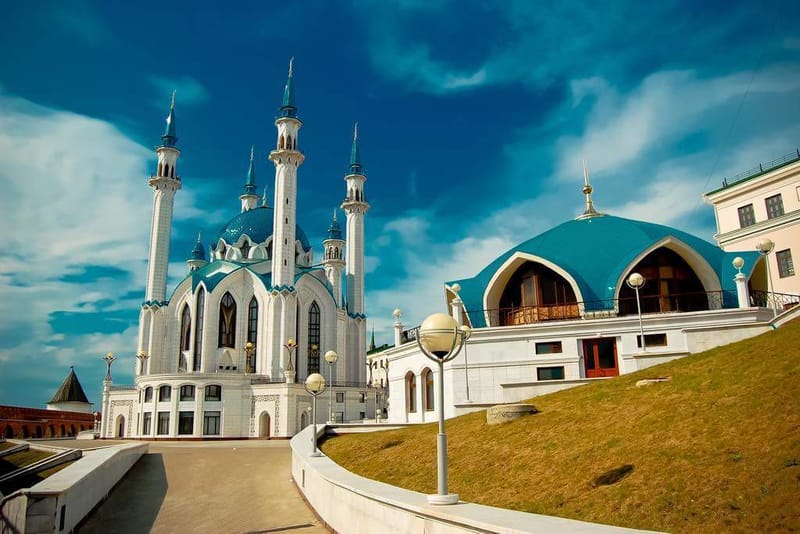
{"x":764,"y":202}
{"x":555,"y":312}
{"x":215,"y":357}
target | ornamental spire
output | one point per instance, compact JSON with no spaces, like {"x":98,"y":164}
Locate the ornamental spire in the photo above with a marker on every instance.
{"x":264,"y":198}
{"x":250,"y":184}
{"x":169,"y":138}
{"x":288,"y":108}
{"x":587,"y":191}
{"x":355,"y":158}
{"x":334,"y":230}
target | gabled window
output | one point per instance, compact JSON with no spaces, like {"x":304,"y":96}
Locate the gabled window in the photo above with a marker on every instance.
{"x":227,"y":321}
{"x":198,"y":330}
{"x":774,"y":206}
{"x":746,"y":216}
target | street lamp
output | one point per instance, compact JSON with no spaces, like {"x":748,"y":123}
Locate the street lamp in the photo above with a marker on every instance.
{"x":379,"y":386}
{"x":315,"y":384}
{"x":109,"y":359}
{"x":440,"y":340}
{"x":331,"y":358}
{"x":288,"y":369}
{"x":764,"y":247}
{"x":636,"y":281}
{"x":142,"y":357}
{"x":249,"y":349}
{"x":466,"y":332}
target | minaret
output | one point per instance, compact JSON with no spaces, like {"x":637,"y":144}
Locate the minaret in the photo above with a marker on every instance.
{"x":333,"y":260}
{"x":197,"y":258}
{"x":355,"y":207}
{"x":589,"y":212}
{"x":287,"y":159}
{"x":249,"y":196}
{"x":165,"y":183}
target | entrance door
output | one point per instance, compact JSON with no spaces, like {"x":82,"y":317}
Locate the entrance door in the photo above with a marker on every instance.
{"x":120,"y":427}
{"x":263,"y":426}
{"x":600,"y":357}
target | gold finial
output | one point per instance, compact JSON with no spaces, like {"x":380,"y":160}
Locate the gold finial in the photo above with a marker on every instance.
{"x":172,"y":102}
{"x":587,"y":191}
{"x":291,"y":64}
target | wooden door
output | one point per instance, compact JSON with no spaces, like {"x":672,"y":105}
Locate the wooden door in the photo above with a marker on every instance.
{"x":600,"y":357}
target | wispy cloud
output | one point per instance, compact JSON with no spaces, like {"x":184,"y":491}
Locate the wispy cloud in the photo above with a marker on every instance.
{"x":78,"y":18}
{"x":188,"y":91}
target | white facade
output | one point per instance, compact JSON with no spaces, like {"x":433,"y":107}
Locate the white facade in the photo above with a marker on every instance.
{"x":764,"y":204}
{"x":225,"y":355}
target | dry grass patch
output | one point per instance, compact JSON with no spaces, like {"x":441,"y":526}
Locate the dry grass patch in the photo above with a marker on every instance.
{"x":715,"y":448}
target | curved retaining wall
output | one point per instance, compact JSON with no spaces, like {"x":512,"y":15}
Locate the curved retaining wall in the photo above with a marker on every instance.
{"x":349,"y":504}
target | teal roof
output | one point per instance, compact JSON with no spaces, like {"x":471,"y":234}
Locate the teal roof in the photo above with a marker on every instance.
{"x":288,"y":108}
{"x":334,"y":230}
{"x":355,"y":157}
{"x":257,"y":225}
{"x":595,"y":251}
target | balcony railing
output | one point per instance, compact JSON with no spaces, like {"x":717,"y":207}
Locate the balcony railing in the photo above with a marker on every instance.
{"x":768,"y":299}
{"x":762,"y":168}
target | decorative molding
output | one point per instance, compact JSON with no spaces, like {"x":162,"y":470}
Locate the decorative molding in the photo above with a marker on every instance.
{"x":256,"y":398}
{"x":120,"y":403}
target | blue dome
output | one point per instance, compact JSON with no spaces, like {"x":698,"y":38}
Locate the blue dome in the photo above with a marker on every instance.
{"x":594,"y":252}
{"x":257,"y":225}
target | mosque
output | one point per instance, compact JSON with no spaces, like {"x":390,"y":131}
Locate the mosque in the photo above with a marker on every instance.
{"x":226,"y":354}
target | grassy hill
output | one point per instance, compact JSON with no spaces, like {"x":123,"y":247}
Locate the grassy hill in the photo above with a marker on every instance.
{"x":716,"y":448}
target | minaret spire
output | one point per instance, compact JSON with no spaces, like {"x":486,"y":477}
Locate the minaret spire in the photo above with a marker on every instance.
{"x":355,"y":158}
{"x":288,"y":108}
{"x":264,"y":198}
{"x":587,"y":191}
{"x":170,"y":138}
{"x":249,"y":196}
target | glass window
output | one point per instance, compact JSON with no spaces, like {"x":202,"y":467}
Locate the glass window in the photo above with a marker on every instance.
{"x":652,"y":340}
{"x":147,"y":422}
{"x":785,"y":265}
{"x":550,"y":373}
{"x":213,"y":393}
{"x":340,"y":396}
{"x":148,"y":394}
{"x":746,"y":216}
{"x":163,"y":423}
{"x":164,"y":393}
{"x":227,"y":321}
{"x":774,"y":206}
{"x":548,"y":347}
{"x":313,"y":338}
{"x":198,"y":330}
{"x":211,"y":423}
{"x":187,"y":393}
{"x":186,"y":325}
{"x":411,"y":392}
{"x":185,"y":422}
{"x":427,"y":379}
{"x":252,"y":332}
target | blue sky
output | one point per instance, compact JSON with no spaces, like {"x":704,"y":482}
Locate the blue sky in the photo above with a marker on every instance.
{"x":473,"y":120}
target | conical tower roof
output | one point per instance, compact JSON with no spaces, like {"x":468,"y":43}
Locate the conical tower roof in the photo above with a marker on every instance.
{"x":70,"y":390}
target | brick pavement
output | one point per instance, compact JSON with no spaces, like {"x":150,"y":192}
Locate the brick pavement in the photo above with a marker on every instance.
{"x":213,"y":487}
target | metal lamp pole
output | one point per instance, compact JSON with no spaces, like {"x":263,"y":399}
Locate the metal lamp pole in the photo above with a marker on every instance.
{"x":331,"y":358}
{"x":314,"y":384}
{"x":466,"y":332}
{"x":764,"y":247}
{"x":636,"y":281}
{"x":440,"y":340}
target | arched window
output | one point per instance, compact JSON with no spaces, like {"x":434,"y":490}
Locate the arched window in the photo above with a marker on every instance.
{"x":427,"y":398}
{"x":148,"y":394}
{"x":252,"y":321}
{"x":245,"y":248}
{"x":313,"y":338}
{"x":164,"y":393}
{"x":198,"y":330}
{"x":280,"y":143}
{"x":213,"y":393}
{"x":186,"y":327}
{"x":411,"y":392}
{"x":288,"y":142}
{"x":536,"y":293}
{"x":227,"y":321}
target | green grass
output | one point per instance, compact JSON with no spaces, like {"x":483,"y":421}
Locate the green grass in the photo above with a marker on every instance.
{"x":717,"y":448}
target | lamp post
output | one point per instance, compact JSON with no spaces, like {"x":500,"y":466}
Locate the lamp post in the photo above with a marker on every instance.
{"x":379,"y":386}
{"x":466,"y":332}
{"x":249,"y":349}
{"x":331,"y":358}
{"x":764,"y":247}
{"x":109,"y":359}
{"x":440,"y":340}
{"x":636,"y":281}
{"x":142,"y":357}
{"x":288,"y":369}
{"x":315,"y":384}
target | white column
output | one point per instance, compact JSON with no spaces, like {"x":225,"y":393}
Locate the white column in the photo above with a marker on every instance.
{"x":742,"y":292}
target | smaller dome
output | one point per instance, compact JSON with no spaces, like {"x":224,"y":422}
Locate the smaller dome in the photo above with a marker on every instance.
{"x":198,"y":252}
{"x":334,"y":230}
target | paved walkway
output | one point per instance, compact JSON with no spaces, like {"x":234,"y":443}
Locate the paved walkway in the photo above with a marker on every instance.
{"x":214,"y":487}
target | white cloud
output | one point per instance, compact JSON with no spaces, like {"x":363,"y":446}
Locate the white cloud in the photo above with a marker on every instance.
{"x":188,"y":91}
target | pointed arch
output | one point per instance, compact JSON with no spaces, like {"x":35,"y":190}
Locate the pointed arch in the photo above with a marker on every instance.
{"x":198,"y":329}
{"x":186,"y":328}
{"x":288,"y":142}
{"x":427,"y":393}
{"x":227,"y":321}
{"x":280,"y":142}
{"x":314,"y":322}
{"x":411,"y":392}
{"x":160,"y":169}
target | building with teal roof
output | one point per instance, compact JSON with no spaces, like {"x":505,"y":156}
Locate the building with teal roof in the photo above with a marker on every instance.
{"x":225,"y":352}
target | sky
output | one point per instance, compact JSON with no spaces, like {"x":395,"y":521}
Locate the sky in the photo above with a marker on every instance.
{"x":474,"y":117}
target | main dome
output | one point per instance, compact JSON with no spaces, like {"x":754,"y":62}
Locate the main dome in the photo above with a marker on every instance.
{"x":257,"y":224}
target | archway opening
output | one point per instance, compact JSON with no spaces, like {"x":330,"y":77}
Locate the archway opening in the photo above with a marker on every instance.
{"x":670,"y":285}
{"x":536,"y":293}
{"x":120,"y":426}
{"x":263,"y":426}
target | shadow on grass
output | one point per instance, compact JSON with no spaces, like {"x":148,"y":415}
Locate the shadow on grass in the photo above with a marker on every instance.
{"x":134,"y":503}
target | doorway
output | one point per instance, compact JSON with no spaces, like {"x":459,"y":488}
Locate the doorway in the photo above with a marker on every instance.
{"x":120,"y":426}
{"x":263,"y":426}
{"x":600,"y":357}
